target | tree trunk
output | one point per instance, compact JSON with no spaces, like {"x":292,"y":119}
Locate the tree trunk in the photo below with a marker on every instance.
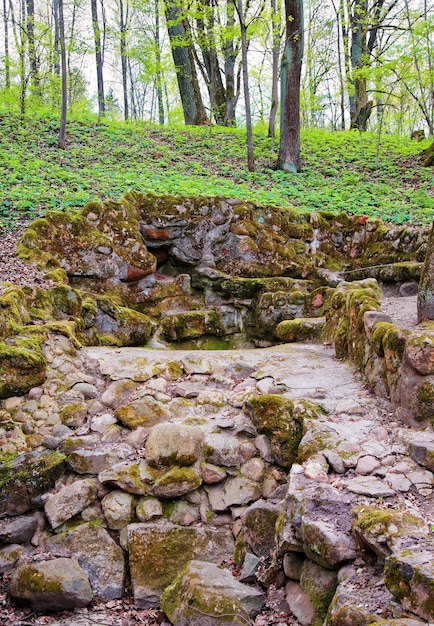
{"x":56,"y":46}
{"x":275,"y":24}
{"x":194,"y":111}
{"x":425,"y":298}
{"x":230,"y":59}
{"x":98,"y":58}
{"x":7,"y":59}
{"x":123,"y":50}
{"x":62,"y":132}
{"x":158,"y":74}
{"x":290,"y":73}
{"x":249,"y":132}
{"x":34,"y":70}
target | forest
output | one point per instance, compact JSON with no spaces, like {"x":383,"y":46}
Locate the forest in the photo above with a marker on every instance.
{"x":335,"y":65}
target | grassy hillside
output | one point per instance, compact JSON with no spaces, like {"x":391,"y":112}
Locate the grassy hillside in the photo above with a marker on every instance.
{"x":341,"y":171}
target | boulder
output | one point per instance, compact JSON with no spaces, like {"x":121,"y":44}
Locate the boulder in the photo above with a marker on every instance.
{"x":95,"y":461}
{"x":224,"y":449}
{"x":319,"y":584}
{"x":301,"y":329}
{"x":144,"y":412}
{"x":130,"y":476}
{"x":97,"y":553}
{"x":422,"y":451}
{"x":20,"y":529}
{"x":158,"y":552}
{"x":22,"y":366}
{"x":176,"y":482}
{"x":70,"y":500}
{"x":9,"y":556}
{"x":281,"y":420}
{"x":55,"y":585}
{"x":174,"y":444}
{"x":409,"y":575}
{"x":118,"y":508}
{"x":191,"y":324}
{"x":259,"y":523}
{"x":234,"y":491}
{"x":425,"y":298}
{"x":206,"y":595}
{"x":26,"y":478}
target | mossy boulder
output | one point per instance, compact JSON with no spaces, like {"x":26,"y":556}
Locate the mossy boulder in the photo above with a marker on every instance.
{"x":22,"y":365}
{"x":191,"y":324}
{"x":55,"y":585}
{"x":300,"y":329}
{"x":26,"y":478}
{"x":320,"y":585}
{"x":281,"y":420}
{"x":425,"y":298}
{"x":259,"y":524}
{"x":177,"y":482}
{"x":174,"y":444}
{"x":13,"y":309}
{"x":159,"y":551}
{"x":120,"y":325}
{"x":409,"y":575}
{"x":144,"y":412}
{"x":206,"y":595}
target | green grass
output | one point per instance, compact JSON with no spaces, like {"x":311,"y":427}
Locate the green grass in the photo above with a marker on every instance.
{"x":341,"y":171}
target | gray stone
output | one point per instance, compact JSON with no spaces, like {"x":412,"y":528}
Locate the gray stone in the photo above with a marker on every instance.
{"x":259,"y":522}
{"x":88,"y":390}
{"x":130,"y":476}
{"x":159,"y":551}
{"x":174,"y":444}
{"x":97,"y":553}
{"x":177,"y":482}
{"x":95,"y":461}
{"x":234,"y":491}
{"x":422,"y":451}
{"x":325,"y":544}
{"x":19,"y":530}
{"x":9,"y":556}
{"x":367,"y":465}
{"x":100,"y":423}
{"x":224,"y":449}
{"x":69,"y":501}
{"x":319,"y":584}
{"x":184,"y":514}
{"x":369,"y":486}
{"x":118,"y":507}
{"x":148,"y":508}
{"x":292,"y":564}
{"x":118,"y":392}
{"x":212,"y":474}
{"x":206,"y":595}
{"x":250,"y":568}
{"x":54,"y":585}
{"x":299,"y":603}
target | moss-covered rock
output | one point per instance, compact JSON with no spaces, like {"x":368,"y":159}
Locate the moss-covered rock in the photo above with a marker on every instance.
{"x":22,"y":365}
{"x":174,"y":444}
{"x":204,"y":594}
{"x":145,"y":412}
{"x":13,"y":309}
{"x":282,"y":420}
{"x":191,"y":324}
{"x":26,"y":478}
{"x":300,"y":329}
{"x":319,"y":584}
{"x":425,"y":298}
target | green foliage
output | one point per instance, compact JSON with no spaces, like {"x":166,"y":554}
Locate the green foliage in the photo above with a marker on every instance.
{"x":341,"y":171}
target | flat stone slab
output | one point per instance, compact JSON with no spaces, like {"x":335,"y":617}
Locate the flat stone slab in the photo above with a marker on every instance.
{"x":369,"y":486}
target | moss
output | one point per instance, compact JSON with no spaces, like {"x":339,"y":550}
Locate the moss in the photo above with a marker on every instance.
{"x":22,"y":366}
{"x":240,"y":549}
{"x":425,"y":402}
{"x":32,"y":581}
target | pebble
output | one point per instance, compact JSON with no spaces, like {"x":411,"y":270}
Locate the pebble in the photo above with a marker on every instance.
{"x":89,"y":391}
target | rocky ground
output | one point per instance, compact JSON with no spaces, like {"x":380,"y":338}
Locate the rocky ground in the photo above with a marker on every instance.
{"x":376,"y":465}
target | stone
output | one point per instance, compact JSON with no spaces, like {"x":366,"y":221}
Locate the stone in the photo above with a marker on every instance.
{"x":422,"y":451}
{"x":97,"y":553}
{"x":223,"y":449}
{"x":325,"y":544}
{"x":174,"y":444}
{"x":148,"y":508}
{"x":282,"y":421}
{"x":118,"y":392}
{"x":95,"y":461}
{"x":184,"y":514}
{"x":292,"y":565}
{"x":409,"y":575}
{"x":299,"y":603}
{"x":369,"y":486}
{"x":55,"y":585}
{"x":100,"y":423}
{"x":118,"y":508}
{"x":73,"y":415}
{"x":254,"y":468}
{"x":145,"y":412}
{"x":70,"y":500}
{"x":9,"y":557}
{"x":26,"y":478}
{"x":89,"y":391}
{"x":176,"y":482}
{"x":20,"y":529}
{"x":367,"y":465}
{"x":129,"y":476}
{"x":212,"y":474}
{"x":319,"y":584}
{"x":206,"y":595}
{"x":250,"y":568}
{"x":383,"y":530}
{"x":420,"y":352}
{"x":425,"y":299}
{"x":234,"y":491}
{"x":159,"y":551}
{"x":259,"y":523}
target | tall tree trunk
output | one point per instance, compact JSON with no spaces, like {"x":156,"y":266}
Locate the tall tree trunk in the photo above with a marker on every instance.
{"x":123,"y":50}
{"x":158,"y":74}
{"x":7,"y":58}
{"x":275,"y":24}
{"x":62,"y":132}
{"x":230,"y":55}
{"x":56,"y":46}
{"x":98,"y":58}
{"x":290,"y":73}
{"x":177,"y":26}
{"x":34,"y":70}
{"x":425,"y":298}
{"x":249,"y":131}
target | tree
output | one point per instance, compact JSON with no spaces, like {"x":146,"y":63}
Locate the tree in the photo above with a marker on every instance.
{"x":425,"y":298}
{"x":276,"y":36}
{"x":62,"y":132}
{"x":249,"y":133}
{"x":98,"y":58}
{"x":123,"y":21}
{"x":290,"y":74}
{"x":183,"y":57}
